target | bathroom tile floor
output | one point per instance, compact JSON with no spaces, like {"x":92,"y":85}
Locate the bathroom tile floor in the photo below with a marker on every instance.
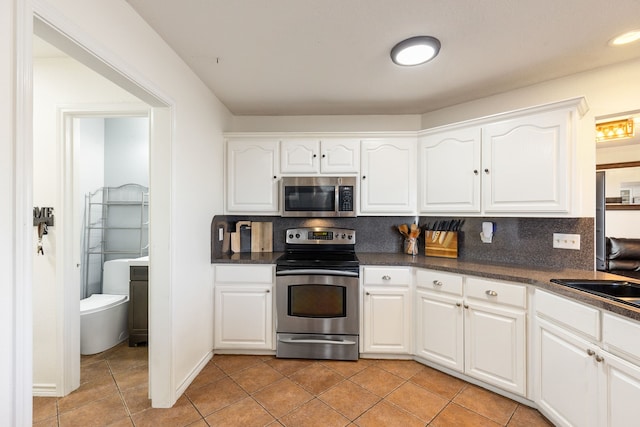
{"x":265,"y":391}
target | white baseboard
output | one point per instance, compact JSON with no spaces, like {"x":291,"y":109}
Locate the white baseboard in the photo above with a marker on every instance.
{"x":194,"y":373}
{"x":45,"y":390}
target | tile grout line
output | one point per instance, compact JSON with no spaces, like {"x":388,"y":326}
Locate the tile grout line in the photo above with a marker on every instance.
{"x":120,"y":394}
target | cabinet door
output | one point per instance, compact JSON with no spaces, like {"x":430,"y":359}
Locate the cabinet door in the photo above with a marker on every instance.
{"x":439,"y":329}
{"x":525,"y":164}
{"x":495,"y":346}
{"x":388,"y":176}
{"x":299,"y":156}
{"x":252,"y":182}
{"x":621,"y":391}
{"x":566,"y":376}
{"x":450,"y":171}
{"x":386,"y":320}
{"x":243,"y":317}
{"x":340,"y":156}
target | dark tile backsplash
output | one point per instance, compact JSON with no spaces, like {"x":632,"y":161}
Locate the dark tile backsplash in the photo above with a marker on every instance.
{"x":519,"y":241}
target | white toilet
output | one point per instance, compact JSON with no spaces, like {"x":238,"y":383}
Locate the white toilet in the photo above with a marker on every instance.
{"x":104,"y":317}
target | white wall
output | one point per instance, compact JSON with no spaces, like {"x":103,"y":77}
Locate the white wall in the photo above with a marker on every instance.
{"x":195,"y":189}
{"x":61,"y":83}
{"x":126,"y":155}
{"x":367,"y":123}
{"x":608,"y":90}
{"x":90,"y":167}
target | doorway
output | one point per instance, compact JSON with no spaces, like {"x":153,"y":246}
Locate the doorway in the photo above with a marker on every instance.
{"x":64,"y":310}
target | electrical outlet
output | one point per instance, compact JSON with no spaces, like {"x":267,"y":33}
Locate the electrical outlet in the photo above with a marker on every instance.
{"x":220,"y":234}
{"x":566,"y":241}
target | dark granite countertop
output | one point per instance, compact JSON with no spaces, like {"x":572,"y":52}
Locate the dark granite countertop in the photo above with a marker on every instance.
{"x":535,"y":276}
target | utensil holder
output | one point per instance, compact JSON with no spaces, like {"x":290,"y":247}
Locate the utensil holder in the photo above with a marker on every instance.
{"x":411,"y":246}
{"x":442,"y":244}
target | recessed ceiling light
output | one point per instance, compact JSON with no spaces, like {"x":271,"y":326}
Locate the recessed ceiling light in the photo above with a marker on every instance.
{"x":415,"y":50}
{"x":628,"y":37}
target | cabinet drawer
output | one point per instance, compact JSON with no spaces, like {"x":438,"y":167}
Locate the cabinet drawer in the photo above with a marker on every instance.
{"x":386,"y":276}
{"x":496,"y":292}
{"x":571,"y":314}
{"x":244,"y":273}
{"x":138,"y":272}
{"x":621,"y":334}
{"x":439,"y":282}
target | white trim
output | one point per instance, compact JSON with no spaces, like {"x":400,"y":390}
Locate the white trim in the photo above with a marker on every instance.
{"x":67,"y":265}
{"x":23,"y":349}
{"x":45,"y":390}
{"x":194,"y":373}
{"x":54,"y":27}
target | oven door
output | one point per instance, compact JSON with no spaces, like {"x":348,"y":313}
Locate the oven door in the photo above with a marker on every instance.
{"x":316,"y":303}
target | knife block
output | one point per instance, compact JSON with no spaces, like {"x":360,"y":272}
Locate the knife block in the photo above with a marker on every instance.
{"x":443,"y":244}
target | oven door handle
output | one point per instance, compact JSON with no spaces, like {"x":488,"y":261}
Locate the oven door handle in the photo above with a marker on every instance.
{"x":315,"y":341}
{"x":319,"y":271}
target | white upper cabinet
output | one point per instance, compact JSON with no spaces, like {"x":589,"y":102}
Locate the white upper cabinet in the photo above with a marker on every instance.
{"x":514,"y":163}
{"x":450,"y":171}
{"x":525,"y":164}
{"x":388,"y":176}
{"x":299,"y":156}
{"x":252,"y":176}
{"x":340,"y":156}
{"x":308,"y":156}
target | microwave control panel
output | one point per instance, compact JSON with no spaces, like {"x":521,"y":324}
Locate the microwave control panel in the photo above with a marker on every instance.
{"x":345,"y":198}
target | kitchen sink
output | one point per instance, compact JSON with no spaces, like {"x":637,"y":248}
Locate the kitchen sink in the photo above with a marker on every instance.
{"x":617,"y":290}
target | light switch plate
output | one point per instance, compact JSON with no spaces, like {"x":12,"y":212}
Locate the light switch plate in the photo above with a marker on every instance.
{"x":566,"y":241}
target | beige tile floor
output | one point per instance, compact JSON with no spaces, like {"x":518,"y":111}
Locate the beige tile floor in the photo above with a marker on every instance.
{"x":265,"y":391}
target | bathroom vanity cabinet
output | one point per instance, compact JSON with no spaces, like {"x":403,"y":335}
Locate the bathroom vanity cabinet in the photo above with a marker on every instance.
{"x":138,"y":304}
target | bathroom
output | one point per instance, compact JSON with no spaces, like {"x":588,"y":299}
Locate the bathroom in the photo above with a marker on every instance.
{"x":71,"y":100}
{"x":112,"y":176}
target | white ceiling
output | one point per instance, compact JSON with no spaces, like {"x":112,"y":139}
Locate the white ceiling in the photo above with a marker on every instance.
{"x":317,"y":57}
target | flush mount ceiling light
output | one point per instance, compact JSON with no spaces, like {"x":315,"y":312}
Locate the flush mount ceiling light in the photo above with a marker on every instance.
{"x":628,"y":37}
{"x":415,"y":50}
{"x":617,"y":129}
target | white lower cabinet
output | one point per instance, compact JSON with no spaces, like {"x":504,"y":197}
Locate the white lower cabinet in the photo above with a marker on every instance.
{"x":243,"y":316}
{"x":578,"y":383}
{"x":473,"y":326}
{"x":567,"y":376}
{"x":440,"y":319}
{"x":386,"y":310}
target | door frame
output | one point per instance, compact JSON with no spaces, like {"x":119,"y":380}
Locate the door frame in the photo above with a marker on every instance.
{"x":68,"y":280}
{"x":37,"y":15}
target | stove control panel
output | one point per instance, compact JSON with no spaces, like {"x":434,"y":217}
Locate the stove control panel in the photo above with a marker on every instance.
{"x":320,"y":235}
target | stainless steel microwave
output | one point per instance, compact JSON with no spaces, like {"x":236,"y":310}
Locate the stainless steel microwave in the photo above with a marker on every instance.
{"x":321,"y":196}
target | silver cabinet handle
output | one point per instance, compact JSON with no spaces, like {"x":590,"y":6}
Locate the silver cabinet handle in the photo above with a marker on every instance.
{"x":491,"y":293}
{"x":437,"y":283}
{"x":386,"y":277}
{"x":590,"y":352}
{"x":599,"y":358}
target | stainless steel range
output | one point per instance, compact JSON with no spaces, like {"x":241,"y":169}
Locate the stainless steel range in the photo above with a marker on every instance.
{"x":317,"y":295}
